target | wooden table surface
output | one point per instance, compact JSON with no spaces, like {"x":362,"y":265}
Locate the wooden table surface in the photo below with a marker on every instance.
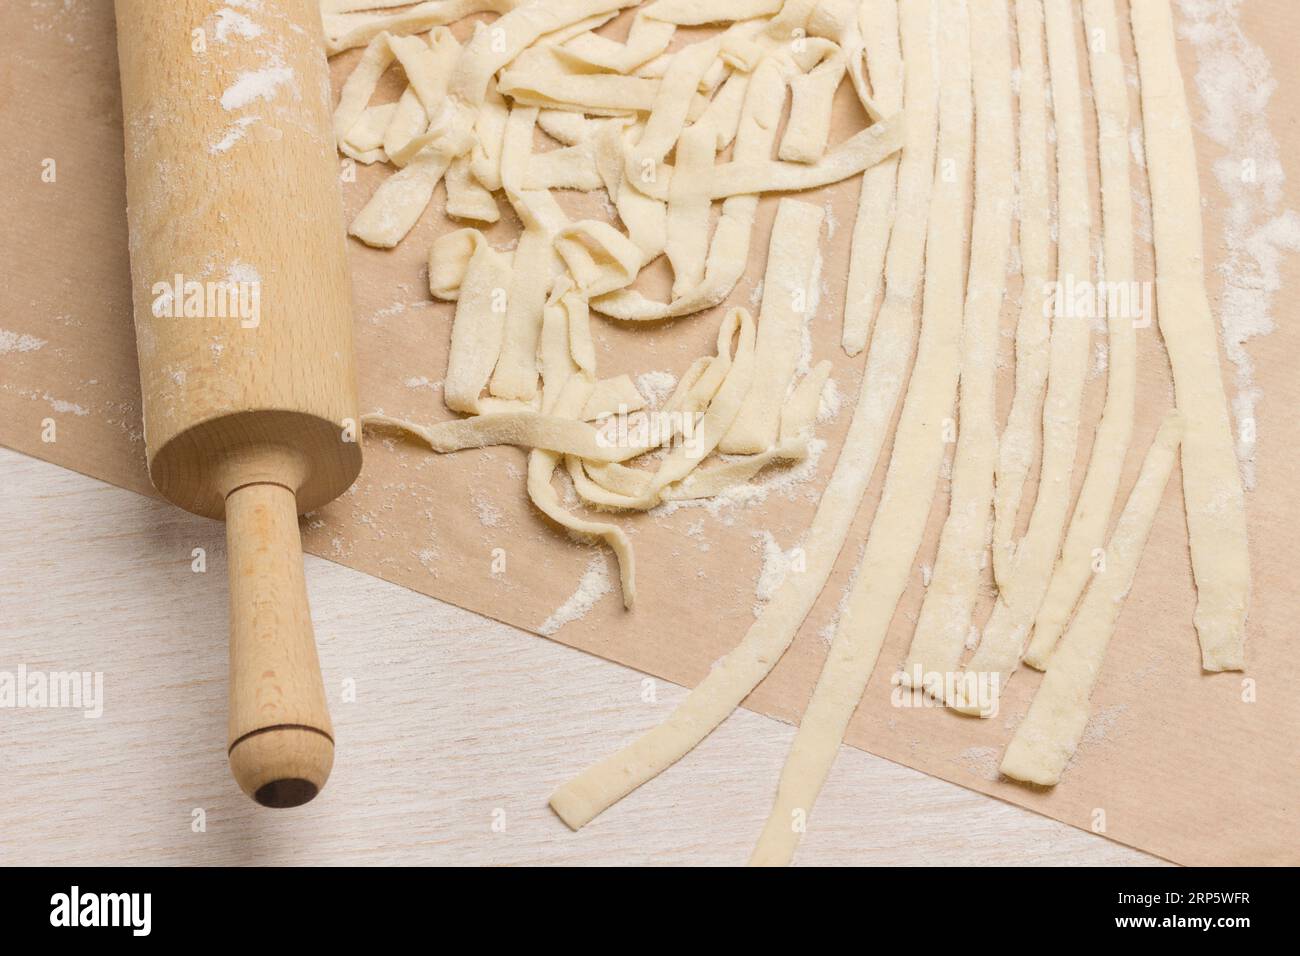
{"x":452,"y":729}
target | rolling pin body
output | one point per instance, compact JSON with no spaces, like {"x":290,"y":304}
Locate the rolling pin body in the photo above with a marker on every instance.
{"x":243,"y":320}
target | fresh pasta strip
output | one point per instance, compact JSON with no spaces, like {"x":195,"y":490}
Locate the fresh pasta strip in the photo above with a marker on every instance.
{"x":945,"y":615}
{"x":478,"y":326}
{"x":489,"y":136}
{"x":573,"y":167}
{"x":367,"y":132}
{"x":1212,"y":491}
{"x":797,"y":421}
{"x":723,"y":112}
{"x":466,"y":196}
{"x":345,"y":29}
{"x":789,"y":296}
{"x":1092,"y":512}
{"x":1004,"y":637}
{"x":644,"y":218}
{"x":542,"y":465}
{"x":493,"y":48}
{"x":527,"y":429}
{"x":541,"y":77}
{"x":812,"y":95}
{"x":1047,"y":737}
{"x":646,"y":39}
{"x":871,"y":228}
{"x":860,"y":151}
{"x":599,"y":257}
{"x":536,"y":260}
{"x":407,"y":122}
{"x":673,"y":97}
{"x":690,"y":13}
{"x":900,"y":519}
{"x":569,"y":129}
{"x":360,"y":85}
{"x":612,"y":396}
{"x":554,"y":356}
{"x":400,"y":201}
{"x":1019,"y":443}
{"x":729,"y":247}
{"x":428,"y":66}
{"x":734,"y":375}
{"x":689,"y":206}
{"x":733,"y":678}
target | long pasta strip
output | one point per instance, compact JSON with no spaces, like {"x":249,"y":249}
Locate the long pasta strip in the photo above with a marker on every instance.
{"x":1019,"y":441}
{"x":1212,"y":492}
{"x":950,"y":599}
{"x":1096,"y":502}
{"x":879,"y":26}
{"x":737,"y":674}
{"x":1046,"y":739}
{"x":913,"y":472}
{"x":1004,"y":636}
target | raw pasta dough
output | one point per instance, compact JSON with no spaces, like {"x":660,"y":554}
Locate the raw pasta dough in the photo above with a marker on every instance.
{"x":737,"y":674}
{"x":913,"y":469}
{"x":1096,"y":500}
{"x":1212,"y":492}
{"x":1046,"y":739}
{"x":1004,"y":636}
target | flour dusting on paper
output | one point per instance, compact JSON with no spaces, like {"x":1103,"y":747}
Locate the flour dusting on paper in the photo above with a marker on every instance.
{"x":594,"y":585}
{"x":14,"y":342}
{"x":777,"y":564}
{"x":1235,"y":83}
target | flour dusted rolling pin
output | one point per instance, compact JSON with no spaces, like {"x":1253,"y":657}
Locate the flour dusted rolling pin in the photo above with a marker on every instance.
{"x":243,"y":321}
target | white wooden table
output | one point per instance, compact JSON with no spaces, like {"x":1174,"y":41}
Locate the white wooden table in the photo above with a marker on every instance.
{"x":456,"y":732}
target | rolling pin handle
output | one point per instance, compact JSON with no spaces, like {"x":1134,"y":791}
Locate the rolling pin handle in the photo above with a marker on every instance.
{"x":281,"y":745}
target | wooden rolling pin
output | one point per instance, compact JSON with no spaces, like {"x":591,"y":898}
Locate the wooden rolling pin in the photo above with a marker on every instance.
{"x":243,"y":318}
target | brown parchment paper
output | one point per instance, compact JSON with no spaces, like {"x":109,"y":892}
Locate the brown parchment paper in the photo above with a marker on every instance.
{"x":1175,"y":761}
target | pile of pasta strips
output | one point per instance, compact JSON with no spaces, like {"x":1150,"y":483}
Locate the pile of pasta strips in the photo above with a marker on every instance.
{"x":468,"y":117}
{"x":669,"y":129}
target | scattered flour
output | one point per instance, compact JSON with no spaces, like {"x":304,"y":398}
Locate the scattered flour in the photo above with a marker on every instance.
{"x":1138,"y":145}
{"x":1235,"y":83}
{"x":982,"y":761}
{"x":655,"y":386}
{"x":776,"y":565}
{"x":786,"y":480}
{"x":14,"y":342}
{"x":232,"y":22}
{"x":234,"y":133}
{"x":241,"y":273}
{"x":253,"y":85}
{"x":828,"y":406}
{"x":832,"y":223}
{"x":59,"y":405}
{"x":594,"y":585}
{"x":1100,"y":360}
{"x":489,"y":515}
{"x":421,"y":381}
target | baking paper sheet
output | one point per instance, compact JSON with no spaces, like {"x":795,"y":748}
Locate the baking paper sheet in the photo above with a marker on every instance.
{"x":1193,"y":767}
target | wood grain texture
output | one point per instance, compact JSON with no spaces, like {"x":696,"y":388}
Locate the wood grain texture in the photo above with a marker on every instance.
{"x":242,"y":295}
{"x":243,"y":317}
{"x":458,"y":723}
